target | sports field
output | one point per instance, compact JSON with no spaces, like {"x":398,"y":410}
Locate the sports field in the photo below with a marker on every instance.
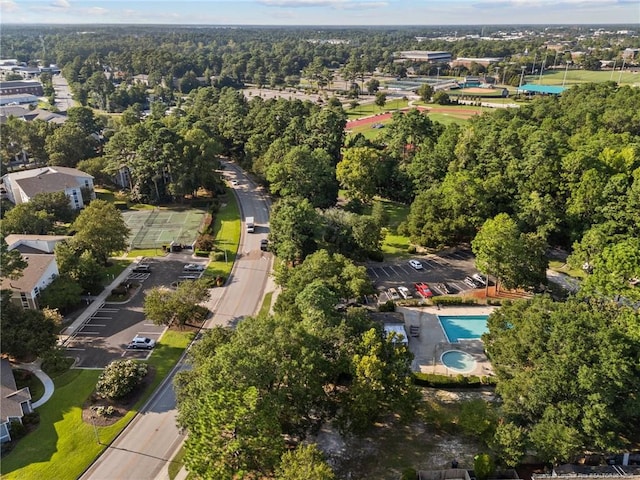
{"x":572,"y":77}
{"x":154,"y":228}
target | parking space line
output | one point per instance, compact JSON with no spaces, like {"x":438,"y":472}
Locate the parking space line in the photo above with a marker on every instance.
{"x":101,"y":318}
{"x":393,"y":269}
{"x":88,"y":333}
{"x":108,"y":310}
{"x":88,"y":324}
{"x":150,"y":333}
{"x":75,"y":349}
{"x":150,"y":325}
{"x":406,"y":270}
{"x":372,"y":271}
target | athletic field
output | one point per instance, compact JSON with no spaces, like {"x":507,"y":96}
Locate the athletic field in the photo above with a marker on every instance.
{"x":154,"y":228}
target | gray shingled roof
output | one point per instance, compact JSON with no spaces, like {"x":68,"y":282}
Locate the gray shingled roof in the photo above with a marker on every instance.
{"x":37,"y":264}
{"x":10,"y":396}
{"x":47,"y":183}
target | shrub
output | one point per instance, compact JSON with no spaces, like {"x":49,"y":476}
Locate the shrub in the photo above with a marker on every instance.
{"x":411,"y":249}
{"x":121,"y":205}
{"x":443,"y":381}
{"x":201,"y":253}
{"x":54,"y":362}
{"x":18,"y":430}
{"x":453,"y":301}
{"x":376,"y":256}
{"x":205,"y":242}
{"x":387,"y":306}
{"x":217,"y":256}
{"x":119,"y":378}
{"x":409,"y":474}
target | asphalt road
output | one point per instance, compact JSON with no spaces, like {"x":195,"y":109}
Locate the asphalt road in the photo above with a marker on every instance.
{"x":144,"y":449}
{"x":64,"y":100}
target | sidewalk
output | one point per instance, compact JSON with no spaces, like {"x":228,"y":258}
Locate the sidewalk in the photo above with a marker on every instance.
{"x":34,"y":367}
{"x":98,"y":301}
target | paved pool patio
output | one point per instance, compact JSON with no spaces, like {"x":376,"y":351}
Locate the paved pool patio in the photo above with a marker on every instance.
{"x":431,"y":341}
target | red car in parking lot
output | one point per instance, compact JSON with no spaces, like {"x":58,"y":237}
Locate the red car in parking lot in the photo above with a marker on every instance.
{"x":423,"y":290}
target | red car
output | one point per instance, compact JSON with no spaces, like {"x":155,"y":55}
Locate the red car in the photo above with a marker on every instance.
{"x":423,"y":290}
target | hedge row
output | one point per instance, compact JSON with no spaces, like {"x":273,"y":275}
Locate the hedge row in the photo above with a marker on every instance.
{"x":458,"y":381}
{"x":453,"y":301}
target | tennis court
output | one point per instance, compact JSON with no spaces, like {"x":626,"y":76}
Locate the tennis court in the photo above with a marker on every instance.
{"x":154,"y":228}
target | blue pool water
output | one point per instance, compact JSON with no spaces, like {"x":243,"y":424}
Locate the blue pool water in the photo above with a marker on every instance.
{"x":459,"y":361}
{"x":459,"y":327}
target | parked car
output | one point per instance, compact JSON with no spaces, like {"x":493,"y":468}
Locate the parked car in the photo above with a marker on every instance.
{"x":470,"y":282}
{"x":479,"y":278}
{"x":446,"y":288}
{"x":144,"y":343}
{"x":423,"y":290}
{"x":234,"y":182}
{"x":416,"y":264}
{"x":193,"y":267}
{"x":264,"y":244}
{"x":393,"y":294}
{"x":404,"y":292}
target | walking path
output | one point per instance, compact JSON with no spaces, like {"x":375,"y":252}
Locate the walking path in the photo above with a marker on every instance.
{"x":34,"y":367}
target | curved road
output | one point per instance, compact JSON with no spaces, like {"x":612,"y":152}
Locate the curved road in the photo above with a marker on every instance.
{"x":144,"y":449}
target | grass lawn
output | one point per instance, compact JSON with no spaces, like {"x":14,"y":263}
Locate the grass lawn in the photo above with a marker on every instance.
{"x":562,"y":267}
{"x":393,"y":243}
{"x":226,"y":230}
{"x":116,"y":268}
{"x":266,"y":304}
{"x":176,"y":463}
{"x":36,"y":388}
{"x":63,"y":446}
{"x":557,"y":77}
{"x":369,"y":109}
{"x":146,"y":252}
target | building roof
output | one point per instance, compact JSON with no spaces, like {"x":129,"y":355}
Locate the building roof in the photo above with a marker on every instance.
{"x":14,"y":238}
{"x":19,"y":83}
{"x":399,"y":330}
{"x":544,"y":89}
{"x":51,"y":182}
{"x":37,"y":264}
{"x":10,"y":397}
{"x":47,"y":171}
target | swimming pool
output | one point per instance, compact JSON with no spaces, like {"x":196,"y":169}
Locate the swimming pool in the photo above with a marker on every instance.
{"x":463,"y":327}
{"x":458,"y":361}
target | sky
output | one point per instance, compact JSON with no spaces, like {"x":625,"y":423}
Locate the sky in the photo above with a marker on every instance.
{"x":321,"y":12}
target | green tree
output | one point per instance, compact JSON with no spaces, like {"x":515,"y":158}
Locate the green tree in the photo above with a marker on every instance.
{"x":55,"y":203}
{"x":568,"y":391}
{"x":25,"y":332}
{"x":517,"y":260}
{"x":305,"y":462}
{"x":425,"y":91}
{"x":373,"y":86}
{"x":293,"y":225}
{"x":68,"y":145}
{"x":306,"y":174}
{"x":510,"y":440}
{"x":483,"y":466}
{"x":359,"y":171}
{"x":61,"y":294}
{"x":25,"y":219}
{"x":381,"y":99}
{"x":12,"y":262}
{"x":120,"y":378}
{"x":235,"y":435}
{"x":167,"y":307}
{"x":441,"y":98}
{"x":100,"y":229}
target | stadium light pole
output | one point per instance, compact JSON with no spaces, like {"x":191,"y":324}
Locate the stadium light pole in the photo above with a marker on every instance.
{"x":565,"y":74}
{"x":615,"y":60}
{"x":621,"y":70}
{"x":524,"y":67}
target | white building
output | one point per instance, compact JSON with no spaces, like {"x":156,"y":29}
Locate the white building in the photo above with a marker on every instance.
{"x":23,"y":186}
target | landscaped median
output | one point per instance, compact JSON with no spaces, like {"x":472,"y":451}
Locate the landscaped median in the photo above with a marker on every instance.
{"x":63,"y":445}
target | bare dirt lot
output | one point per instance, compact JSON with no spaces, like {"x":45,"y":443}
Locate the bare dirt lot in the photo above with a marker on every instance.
{"x":392,"y":447}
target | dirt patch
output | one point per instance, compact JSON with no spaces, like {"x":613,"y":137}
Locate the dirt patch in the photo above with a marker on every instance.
{"x":119,"y":407}
{"x":391,"y":447}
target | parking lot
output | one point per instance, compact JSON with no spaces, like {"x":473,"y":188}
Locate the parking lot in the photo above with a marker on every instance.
{"x":105,"y":335}
{"x":450,"y":268}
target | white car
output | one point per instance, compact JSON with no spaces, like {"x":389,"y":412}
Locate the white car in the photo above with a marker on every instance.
{"x":144,"y":343}
{"x":479,"y":278}
{"x":404,"y":292}
{"x":415,"y":264}
{"x":234,"y":182}
{"x":393,"y":294}
{"x":193,"y":267}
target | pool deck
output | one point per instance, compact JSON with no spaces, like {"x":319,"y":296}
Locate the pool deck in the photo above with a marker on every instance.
{"x":432,"y":342}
